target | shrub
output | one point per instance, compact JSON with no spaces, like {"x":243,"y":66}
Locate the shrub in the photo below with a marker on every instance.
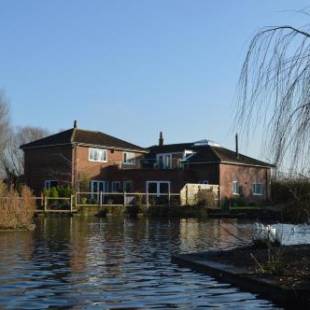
{"x":16,"y":210}
{"x":64,"y":191}
{"x":293,"y":195}
{"x":53,"y":192}
{"x":234,"y":202}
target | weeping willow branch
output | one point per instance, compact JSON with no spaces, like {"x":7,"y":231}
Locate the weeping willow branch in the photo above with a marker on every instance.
{"x":274,"y":93}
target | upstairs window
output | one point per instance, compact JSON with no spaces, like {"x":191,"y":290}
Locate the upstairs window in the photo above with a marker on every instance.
{"x":257,"y":189}
{"x":235,"y":188}
{"x":164,"y":161}
{"x":99,"y":155}
{"x":129,"y":158}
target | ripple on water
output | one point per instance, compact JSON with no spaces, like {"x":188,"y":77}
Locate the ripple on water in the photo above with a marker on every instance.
{"x":115,"y":264}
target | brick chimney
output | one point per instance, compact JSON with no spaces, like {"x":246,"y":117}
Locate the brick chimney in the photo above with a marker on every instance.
{"x":161,"y":139}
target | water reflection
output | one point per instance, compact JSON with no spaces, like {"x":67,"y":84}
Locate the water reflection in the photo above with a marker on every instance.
{"x":116,"y":263}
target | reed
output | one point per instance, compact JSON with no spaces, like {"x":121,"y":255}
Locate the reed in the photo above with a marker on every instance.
{"x":16,"y":208}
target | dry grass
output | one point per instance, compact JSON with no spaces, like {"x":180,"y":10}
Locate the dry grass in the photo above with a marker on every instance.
{"x":16,"y":210}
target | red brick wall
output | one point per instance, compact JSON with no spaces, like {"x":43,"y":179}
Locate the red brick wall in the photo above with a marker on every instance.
{"x":52,"y":163}
{"x":246,"y":176}
{"x":98,"y":170}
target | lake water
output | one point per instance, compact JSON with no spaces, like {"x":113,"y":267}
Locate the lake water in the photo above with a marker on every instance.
{"x":117,"y":264}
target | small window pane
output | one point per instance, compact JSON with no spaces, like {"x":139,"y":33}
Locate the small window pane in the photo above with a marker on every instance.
{"x":164,"y":188}
{"x":152,"y":188}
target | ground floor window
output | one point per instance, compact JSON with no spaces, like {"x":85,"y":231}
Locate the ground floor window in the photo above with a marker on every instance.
{"x":116,"y":186}
{"x":97,"y":186}
{"x":257,"y":189}
{"x":50,"y":183}
{"x":127,"y":186}
{"x":158,"y":187}
{"x":235,"y":188}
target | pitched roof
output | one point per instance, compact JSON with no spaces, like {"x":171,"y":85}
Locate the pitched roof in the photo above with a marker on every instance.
{"x":220,"y":154}
{"x":63,"y":137}
{"x":208,"y":153}
{"x":102,"y":139}
{"x":80,"y":136}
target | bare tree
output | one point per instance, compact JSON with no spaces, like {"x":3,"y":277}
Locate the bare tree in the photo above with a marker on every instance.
{"x":13,"y":159}
{"x":4,"y":127}
{"x":4,"y":121}
{"x":274,"y":93}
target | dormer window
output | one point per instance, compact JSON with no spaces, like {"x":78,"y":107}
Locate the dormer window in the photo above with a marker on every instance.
{"x":98,"y":155}
{"x":164,"y":161}
{"x":129,"y":158}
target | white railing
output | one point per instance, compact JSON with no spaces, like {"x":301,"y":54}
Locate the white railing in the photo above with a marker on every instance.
{"x":125,"y":199}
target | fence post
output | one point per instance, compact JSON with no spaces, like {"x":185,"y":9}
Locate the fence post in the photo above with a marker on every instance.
{"x":42,"y":201}
{"x":45,"y":204}
{"x":71,"y":203}
{"x":147,"y":200}
{"x":186,"y":195}
{"x":101,"y":198}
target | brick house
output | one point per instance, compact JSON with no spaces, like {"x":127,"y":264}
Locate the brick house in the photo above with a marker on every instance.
{"x":95,"y":161}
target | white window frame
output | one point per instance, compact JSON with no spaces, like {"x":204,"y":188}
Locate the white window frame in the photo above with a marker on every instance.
{"x":98,"y":182}
{"x":124,"y":185}
{"x":101,"y":152}
{"x":164,"y":156}
{"x":131,"y":160}
{"x":47,"y":183}
{"x":254,"y":188}
{"x":157,"y":187}
{"x":236,"y":193}
{"x":114,"y":185}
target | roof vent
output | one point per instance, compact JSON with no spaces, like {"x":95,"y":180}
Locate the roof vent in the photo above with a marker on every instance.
{"x":205,"y":142}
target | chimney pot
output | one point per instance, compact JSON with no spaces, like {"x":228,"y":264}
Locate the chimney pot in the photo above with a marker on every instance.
{"x":75,"y":124}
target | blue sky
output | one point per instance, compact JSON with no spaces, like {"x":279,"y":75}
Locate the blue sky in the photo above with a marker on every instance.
{"x":132,"y":68}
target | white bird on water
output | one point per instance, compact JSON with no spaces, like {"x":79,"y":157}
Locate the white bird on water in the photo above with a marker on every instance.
{"x":263,"y":232}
